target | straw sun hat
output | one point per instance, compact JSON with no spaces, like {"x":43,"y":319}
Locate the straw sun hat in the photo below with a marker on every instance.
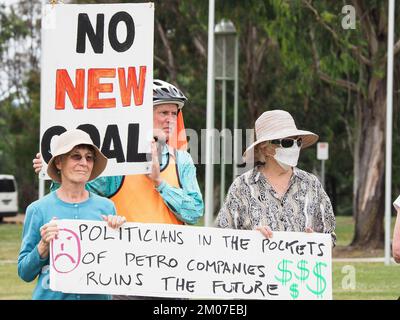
{"x":64,"y":143}
{"x":277,"y":124}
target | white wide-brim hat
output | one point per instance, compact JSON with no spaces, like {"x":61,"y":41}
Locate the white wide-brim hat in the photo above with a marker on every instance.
{"x":65,"y":143}
{"x":277,"y":124}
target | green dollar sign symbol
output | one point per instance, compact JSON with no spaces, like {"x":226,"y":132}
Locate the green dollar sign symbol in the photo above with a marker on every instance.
{"x":304,"y":272}
{"x":286,"y":274}
{"x":293,"y":291}
{"x":321,"y":282}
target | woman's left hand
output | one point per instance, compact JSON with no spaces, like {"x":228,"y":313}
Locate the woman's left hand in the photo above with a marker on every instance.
{"x":266,"y":231}
{"x":309,"y":230}
{"x":114,"y":221}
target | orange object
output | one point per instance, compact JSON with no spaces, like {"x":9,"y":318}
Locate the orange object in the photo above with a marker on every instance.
{"x":178,"y":138}
{"x":139,"y":201}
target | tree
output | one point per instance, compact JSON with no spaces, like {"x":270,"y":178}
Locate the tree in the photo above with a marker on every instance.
{"x":355,"y":60}
{"x":19,"y":94}
{"x":268,"y":77}
{"x":294,"y":55}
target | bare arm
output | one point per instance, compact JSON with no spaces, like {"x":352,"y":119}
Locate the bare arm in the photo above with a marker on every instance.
{"x":396,"y":239}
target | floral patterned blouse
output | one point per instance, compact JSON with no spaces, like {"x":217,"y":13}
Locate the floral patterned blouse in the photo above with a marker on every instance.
{"x":251,"y":201}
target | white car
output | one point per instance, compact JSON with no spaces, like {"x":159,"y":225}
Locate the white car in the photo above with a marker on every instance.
{"x":8,"y":196}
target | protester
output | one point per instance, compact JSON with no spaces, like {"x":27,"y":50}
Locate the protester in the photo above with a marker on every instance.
{"x":276,"y":195}
{"x":75,"y":160}
{"x":396,"y":233}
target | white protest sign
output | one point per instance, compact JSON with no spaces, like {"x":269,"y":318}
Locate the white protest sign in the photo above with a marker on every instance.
{"x":194,"y":262}
{"x":97,"y":75}
{"x":322,"y":150}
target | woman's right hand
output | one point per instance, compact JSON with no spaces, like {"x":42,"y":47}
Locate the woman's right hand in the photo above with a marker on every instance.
{"x":37,"y":163}
{"x":266,"y":231}
{"x":48,"y":232}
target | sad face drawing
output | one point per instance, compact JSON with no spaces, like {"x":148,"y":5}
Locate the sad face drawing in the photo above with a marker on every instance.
{"x":66,"y":251}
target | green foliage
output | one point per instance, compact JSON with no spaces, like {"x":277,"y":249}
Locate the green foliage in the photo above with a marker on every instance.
{"x":19,"y":107}
{"x":286,"y":78}
{"x":328,"y":17}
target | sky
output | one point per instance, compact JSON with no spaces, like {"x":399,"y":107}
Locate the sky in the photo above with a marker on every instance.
{"x":8,"y":2}
{"x":4,"y":78}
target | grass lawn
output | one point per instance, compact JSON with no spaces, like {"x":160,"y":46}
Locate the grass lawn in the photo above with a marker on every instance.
{"x":11,"y":286}
{"x":372,"y":280}
{"x":344,"y":230}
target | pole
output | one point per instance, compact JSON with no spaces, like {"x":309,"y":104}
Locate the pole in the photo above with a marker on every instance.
{"x":41,"y":181}
{"x":209,"y":185}
{"x":235,"y":110}
{"x":323,"y":173}
{"x":223,"y":123}
{"x":389,"y":120}
{"x":41,"y":188}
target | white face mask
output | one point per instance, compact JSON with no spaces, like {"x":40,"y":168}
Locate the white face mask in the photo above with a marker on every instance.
{"x":287,"y":157}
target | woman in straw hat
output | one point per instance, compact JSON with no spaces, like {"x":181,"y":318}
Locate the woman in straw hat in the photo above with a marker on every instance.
{"x":75,"y":160}
{"x":275,"y":195}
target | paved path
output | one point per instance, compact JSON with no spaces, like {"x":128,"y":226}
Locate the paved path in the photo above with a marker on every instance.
{"x":19,"y":218}
{"x":8,"y":262}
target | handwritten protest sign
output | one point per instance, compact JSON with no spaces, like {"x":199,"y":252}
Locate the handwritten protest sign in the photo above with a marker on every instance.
{"x":97,"y":75}
{"x":195,"y":262}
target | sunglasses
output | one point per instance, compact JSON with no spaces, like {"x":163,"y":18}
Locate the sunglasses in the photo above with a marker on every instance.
{"x":287,"y":142}
{"x":78,"y":157}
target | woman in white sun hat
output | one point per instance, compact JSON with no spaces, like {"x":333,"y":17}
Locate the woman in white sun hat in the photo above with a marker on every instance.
{"x":75,"y":160}
{"x":275,"y":195}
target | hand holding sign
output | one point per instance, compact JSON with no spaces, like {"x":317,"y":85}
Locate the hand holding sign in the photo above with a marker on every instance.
{"x":114,"y":221}
{"x":37,"y":163}
{"x":266,"y":231}
{"x":48,"y":232}
{"x":155,"y":166}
